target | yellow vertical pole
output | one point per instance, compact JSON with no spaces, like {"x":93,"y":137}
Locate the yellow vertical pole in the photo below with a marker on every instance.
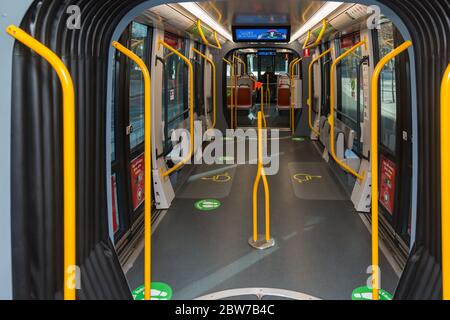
{"x":445,"y":182}
{"x":293,"y":96}
{"x":374,"y":156}
{"x":69,"y":155}
{"x":148,"y":167}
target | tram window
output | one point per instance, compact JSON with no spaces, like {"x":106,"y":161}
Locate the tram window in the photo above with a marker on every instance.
{"x":199,"y":68}
{"x":175,"y":92}
{"x":347,"y":105}
{"x":281,"y":63}
{"x":252,"y":62}
{"x":139,"y":34}
{"x":388,"y":92}
{"x":266,"y":64}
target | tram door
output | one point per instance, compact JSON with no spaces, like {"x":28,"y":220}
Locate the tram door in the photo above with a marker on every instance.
{"x":127,"y":145}
{"x":395,"y":135}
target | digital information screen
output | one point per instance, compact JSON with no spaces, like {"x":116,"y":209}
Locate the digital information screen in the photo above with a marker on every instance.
{"x":260,"y":34}
{"x":267,"y":53}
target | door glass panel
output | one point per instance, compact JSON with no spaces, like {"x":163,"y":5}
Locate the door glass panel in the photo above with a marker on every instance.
{"x":252,"y":63}
{"x":138,"y":45}
{"x":175,"y":72}
{"x":388,"y":93}
{"x":349,"y":68}
{"x":281,"y":63}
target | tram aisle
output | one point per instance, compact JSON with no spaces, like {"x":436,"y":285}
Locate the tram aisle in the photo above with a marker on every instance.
{"x":323,"y":249}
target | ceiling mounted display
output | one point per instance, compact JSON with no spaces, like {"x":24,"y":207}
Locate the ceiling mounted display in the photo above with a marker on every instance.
{"x":261,"y":34}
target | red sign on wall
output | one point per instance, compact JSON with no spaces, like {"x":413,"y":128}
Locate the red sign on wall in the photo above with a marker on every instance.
{"x":137,"y":168}
{"x":307,"y":53}
{"x":387,"y":184}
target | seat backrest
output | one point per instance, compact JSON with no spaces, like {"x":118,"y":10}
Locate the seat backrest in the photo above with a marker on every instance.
{"x":284,"y":96}
{"x":244,"y":97}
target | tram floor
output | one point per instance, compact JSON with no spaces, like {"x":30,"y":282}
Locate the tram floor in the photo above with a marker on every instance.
{"x":323,"y":248}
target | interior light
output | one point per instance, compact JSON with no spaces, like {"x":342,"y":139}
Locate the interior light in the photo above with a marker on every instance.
{"x":323,"y":12}
{"x":201,"y":14}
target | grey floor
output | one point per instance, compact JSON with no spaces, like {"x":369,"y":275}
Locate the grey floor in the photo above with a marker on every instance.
{"x":322,"y":247}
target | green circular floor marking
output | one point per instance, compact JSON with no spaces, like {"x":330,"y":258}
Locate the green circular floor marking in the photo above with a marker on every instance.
{"x":207,"y":205}
{"x":160,"y":291}
{"x":298,"y":139}
{"x":365,"y":294}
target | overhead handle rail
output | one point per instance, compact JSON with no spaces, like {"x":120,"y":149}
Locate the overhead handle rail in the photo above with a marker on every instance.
{"x":319,"y":37}
{"x":332,"y":111}
{"x":310,"y":90}
{"x":191,"y":108}
{"x":445,"y":182}
{"x":205,"y":41}
{"x":292,"y":115}
{"x":148,"y":166}
{"x":256,"y":241}
{"x":69,"y":155}
{"x":233,"y":87}
{"x":213,"y":68}
{"x":374,"y":155}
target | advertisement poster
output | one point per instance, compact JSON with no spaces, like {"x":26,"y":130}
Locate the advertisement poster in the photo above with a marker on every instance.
{"x":387,"y":184}
{"x":137,"y":181}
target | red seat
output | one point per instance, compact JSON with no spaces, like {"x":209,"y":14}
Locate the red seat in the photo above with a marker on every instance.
{"x":284,"y":97}
{"x":244,"y":98}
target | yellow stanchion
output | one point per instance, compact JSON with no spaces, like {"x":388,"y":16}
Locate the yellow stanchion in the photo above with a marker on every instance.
{"x":293,"y":95}
{"x":148,"y":167}
{"x":236,"y":58}
{"x":69,"y":155}
{"x":332,"y":106}
{"x":232,"y":79}
{"x":374,"y":156}
{"x":191,"y":108}
{"x":310,"y":90}
{"x":256,"y":241}
{"x":445,"y":182}
{"x":205,"y":41}
{"x":213,"y":68}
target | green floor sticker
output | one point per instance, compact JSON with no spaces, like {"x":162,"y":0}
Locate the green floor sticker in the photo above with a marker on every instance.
{"x":207,"y":205}
{"x":226,"y":159}
{"x":160,"y":291}
{"x":298,"y":139}
{"x":365,"y":293}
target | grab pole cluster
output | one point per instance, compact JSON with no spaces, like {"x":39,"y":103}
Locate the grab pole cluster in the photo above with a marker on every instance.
{"x":257,"y":241}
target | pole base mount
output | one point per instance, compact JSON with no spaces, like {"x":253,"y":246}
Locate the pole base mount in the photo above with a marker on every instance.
{"x":261,"y":243}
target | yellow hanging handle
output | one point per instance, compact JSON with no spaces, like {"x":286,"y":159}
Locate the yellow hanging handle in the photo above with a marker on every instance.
{"x":69,"y":141}
{"x":332,"y":106}
{"x":191,"y":108}
{"x":213,"y":68}
{"x":148,"y":167}
{"x":308,"y":36}
{"x":260,"y":175}
{"x":374,"y":155}
{"x":297,"y":61}
{"x":310,"y":90}
{"x":205,"y":41}
{"x":445,"y":182}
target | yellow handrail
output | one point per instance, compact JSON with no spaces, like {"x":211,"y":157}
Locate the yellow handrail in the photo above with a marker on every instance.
{"x":319,"y":38}
{"x":232,"y":91}
{"x":290,"y":66}
{"x":148,"y":166}
{"x":191,"y":108}
{"x":332,"y":106}
{"x":205,"y":41}
{"x":69,"y":156}
{"x":213,"y":68}
{"x":242,"y":62}
{"x":308,"y":36}
{"x":293,"y":95}
{"x":445,"y":182}
{"x":310,"y":89}
{"x":374,"y":155}
{"x":260,"y":175}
